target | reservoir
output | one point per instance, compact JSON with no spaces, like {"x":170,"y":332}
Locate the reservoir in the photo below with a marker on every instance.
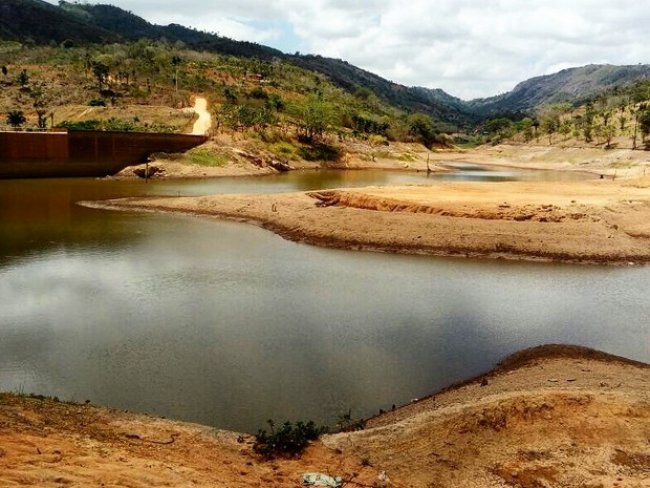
{"x":227,"y":324}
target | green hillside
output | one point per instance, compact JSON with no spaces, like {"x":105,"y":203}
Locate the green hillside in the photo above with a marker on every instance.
{"x":84,"y":23}
{"x":574,"y":85}
{"x":85,"y":26}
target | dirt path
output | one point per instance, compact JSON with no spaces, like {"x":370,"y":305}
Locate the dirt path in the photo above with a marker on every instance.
{"x":203,"y":124}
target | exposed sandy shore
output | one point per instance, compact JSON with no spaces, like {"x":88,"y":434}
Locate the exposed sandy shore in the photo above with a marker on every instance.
{"x":624,"y":163}
{"x":241,"y":161}
{"x":552,"y":416}
{"x":598,"y":221}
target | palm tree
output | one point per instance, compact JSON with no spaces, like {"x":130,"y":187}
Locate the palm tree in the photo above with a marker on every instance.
{"x":16,"y":118}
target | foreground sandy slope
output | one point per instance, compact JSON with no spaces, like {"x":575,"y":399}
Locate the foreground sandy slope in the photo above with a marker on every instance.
{"x":555,"y":416}
{"x":596,"y":221}
{"x":552,"y":416}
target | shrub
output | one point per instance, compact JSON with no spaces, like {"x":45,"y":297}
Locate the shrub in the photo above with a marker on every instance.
{"x":320,"y":152}
{"x":348,"y":424}
{"x":97,"y":102}
{"x":284,"y":150}
{"x":289,"y":440}
{"x":205,"y":157}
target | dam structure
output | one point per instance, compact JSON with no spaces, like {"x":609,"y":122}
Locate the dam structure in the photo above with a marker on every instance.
{"x":63,"y":153}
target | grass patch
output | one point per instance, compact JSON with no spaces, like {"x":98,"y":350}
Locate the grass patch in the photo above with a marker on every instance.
{"x":284,"y":150}
{"x":620,"y":165}
{"x":205,"y":157}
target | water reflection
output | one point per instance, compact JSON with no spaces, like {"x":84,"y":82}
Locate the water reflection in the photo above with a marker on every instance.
{"x":228,"y":324}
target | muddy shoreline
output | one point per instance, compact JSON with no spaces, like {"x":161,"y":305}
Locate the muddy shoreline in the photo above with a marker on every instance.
{"x":446,"y":219}
{"x":553,"y":414}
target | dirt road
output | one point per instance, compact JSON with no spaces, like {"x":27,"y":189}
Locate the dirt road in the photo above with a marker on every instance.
{"x":204,"y":123}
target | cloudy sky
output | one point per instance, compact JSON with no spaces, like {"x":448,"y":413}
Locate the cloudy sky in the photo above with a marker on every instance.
{"x":470,"y":48}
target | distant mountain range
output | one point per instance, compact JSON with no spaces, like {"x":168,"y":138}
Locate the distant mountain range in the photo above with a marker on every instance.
{"x":38,"y":22}
{"x":573,"y":85}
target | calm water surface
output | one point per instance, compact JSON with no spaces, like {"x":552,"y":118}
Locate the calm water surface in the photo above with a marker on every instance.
{"x":227,"y":324}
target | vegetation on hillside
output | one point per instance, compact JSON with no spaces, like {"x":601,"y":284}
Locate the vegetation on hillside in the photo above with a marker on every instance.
{"x":98,"y":56}
{"x":77,"y":23}
{"x":291,"y":110}
{"x":618,"y":117}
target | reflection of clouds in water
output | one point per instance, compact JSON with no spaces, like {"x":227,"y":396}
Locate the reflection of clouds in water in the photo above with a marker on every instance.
{"x":228,"y":324}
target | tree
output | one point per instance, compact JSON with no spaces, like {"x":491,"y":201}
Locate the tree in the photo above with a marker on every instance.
{"x":551,"y":119}
{"x":588,"y":122}
{"x":23,"y":78}
{"x":100,"y":70}
{"x":176,"y":61}
{"x":637,"y":119}
{"x":608,"y":132}
{"x":644,"y":123}
{"x":421,"y":127}
{"x":16,"y":118}
{"x":565,"y":128}
{"x":550,"y":124}
{"x":502,"y":127}
{"x":41,"y":108}
{"x":313,"y":117}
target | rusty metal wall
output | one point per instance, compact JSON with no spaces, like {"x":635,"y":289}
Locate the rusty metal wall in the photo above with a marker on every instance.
{"x":132,"y":147}
{"x":83,"y":153}
{"x":33,"y":146}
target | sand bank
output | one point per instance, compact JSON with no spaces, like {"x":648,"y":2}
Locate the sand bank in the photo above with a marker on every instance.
{"x":552,"y":416}
{"x":599,"y":221}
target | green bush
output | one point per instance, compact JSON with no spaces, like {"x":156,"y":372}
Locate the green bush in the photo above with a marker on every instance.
{"x":284,"y":150}
{"x":205,"y":157}
{"x":112,"y":124}
{"x":290,"y":440}
{"x":97,"y":102}
{"x":320,"y":152}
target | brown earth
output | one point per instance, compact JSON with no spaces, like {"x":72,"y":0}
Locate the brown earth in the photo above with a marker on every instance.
{"x":551,"y":416}
{"x":597,"y":221}
{"x":241,"y":156}
{"x":614,"y":162}
{"x":359,"y":155}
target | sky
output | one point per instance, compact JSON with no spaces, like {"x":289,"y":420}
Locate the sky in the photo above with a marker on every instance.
{"x":469,"y":48}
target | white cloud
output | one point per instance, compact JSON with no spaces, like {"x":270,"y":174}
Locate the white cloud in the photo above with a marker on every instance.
{"x":467,"y":47}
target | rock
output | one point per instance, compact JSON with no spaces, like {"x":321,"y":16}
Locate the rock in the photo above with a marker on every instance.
{"x":280,"y":166}
{"x":141,"y":172}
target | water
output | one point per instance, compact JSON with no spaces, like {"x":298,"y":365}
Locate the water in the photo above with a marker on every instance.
{"x":227,"y":324}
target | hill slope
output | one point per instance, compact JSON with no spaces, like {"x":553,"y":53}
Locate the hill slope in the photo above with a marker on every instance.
{"x":569,"y":85}
{"x":35,"y":21}
{"x":40,"y":22}
{"x":106,"y":23}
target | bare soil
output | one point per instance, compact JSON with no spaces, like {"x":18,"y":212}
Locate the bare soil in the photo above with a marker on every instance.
{"x":614,"y":163}
{"x":598,"y":221}
{"x":551,"y":416}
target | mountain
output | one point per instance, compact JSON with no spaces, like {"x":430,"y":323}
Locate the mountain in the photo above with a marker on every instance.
{"x":78,"y":22}
{"x":572,"y":85}
{"x":436,"y":103}
{"x":38,"y":22}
